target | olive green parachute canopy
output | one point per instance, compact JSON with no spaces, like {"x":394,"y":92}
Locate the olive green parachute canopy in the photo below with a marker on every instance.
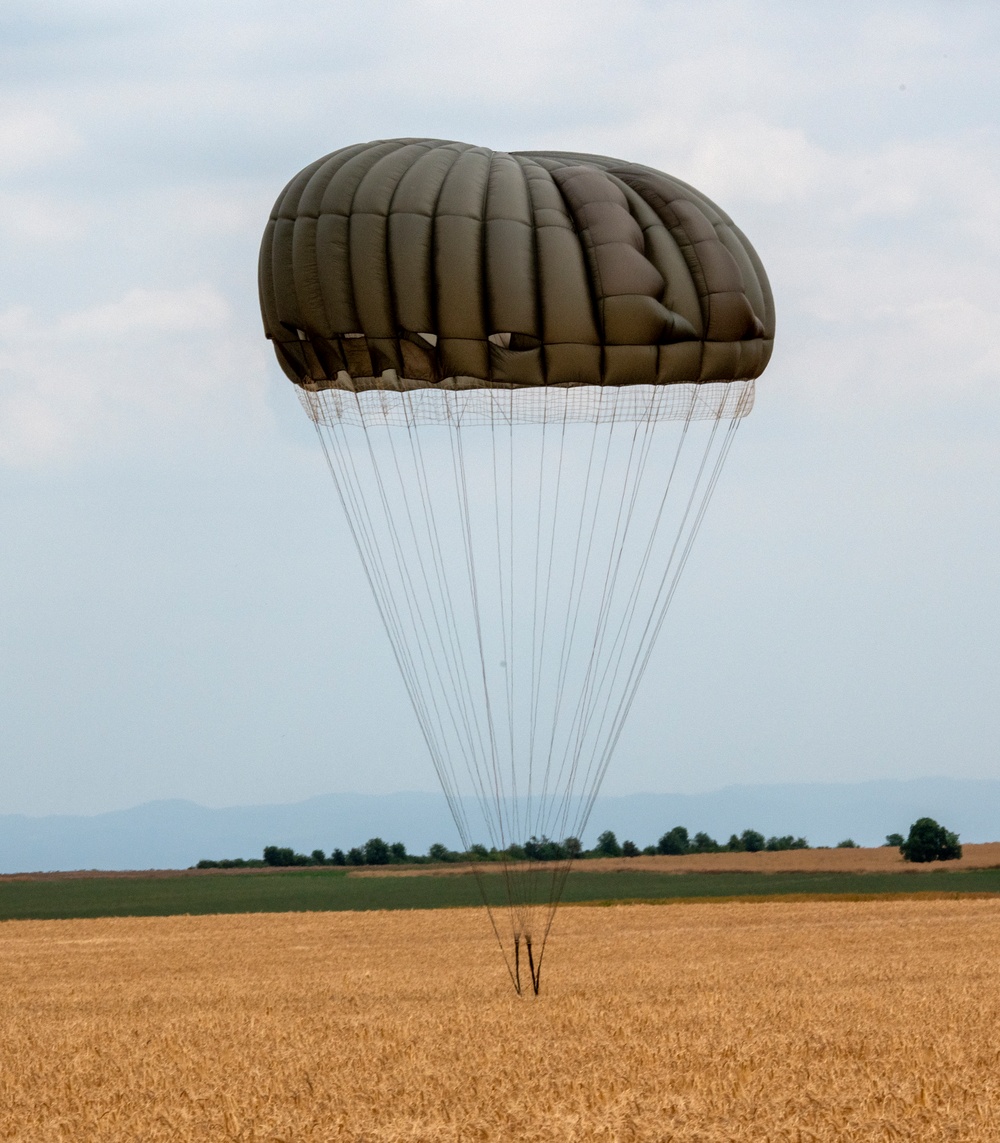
{"x":417,"y":263}
{"x":526,"y":372}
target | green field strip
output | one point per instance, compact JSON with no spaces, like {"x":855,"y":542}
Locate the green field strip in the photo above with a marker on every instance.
{"x":660,"y":887}
{"x":331,"y":890}
{"x":794,"y":898}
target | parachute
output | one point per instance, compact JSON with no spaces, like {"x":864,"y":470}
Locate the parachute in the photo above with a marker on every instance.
{"x":526,"y":370}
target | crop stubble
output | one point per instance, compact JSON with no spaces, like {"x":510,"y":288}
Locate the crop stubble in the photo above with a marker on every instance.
{"x":766,"y":1022}
{"x":880,"y":859}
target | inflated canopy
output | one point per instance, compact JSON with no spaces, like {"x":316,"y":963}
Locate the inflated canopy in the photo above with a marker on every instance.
{"x":418,"y":263}
{"x":526,"y":371}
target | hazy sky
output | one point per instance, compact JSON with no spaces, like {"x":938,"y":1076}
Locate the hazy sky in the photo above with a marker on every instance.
{"x":182,"y":613}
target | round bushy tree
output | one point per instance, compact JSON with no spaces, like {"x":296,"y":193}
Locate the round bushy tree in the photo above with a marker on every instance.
{"x":753,"y":842}
{"x":376,"y":852}
{"x":674,"y":842}
{"x":442,"y":853}
{"x":607,"y":845}
{"x":928,"y":841}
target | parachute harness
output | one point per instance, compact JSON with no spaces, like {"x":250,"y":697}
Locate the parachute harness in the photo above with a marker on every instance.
{"x":523,"y":546}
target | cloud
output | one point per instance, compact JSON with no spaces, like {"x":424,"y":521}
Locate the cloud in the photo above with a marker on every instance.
{"x":750,"y":159}
{"x":218,"y":208}
{"x":141,"y":148}
{"x":32,"y":139}
{"x":882,"y":254}
{"x":96,"y":380}
{"x":34,"y":217}
{"x":191,"y":310}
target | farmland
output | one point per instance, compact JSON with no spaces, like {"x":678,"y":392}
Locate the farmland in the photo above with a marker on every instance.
{"x":778,"y":1021}
{"x":324,"y":889}
{"x":882,"y":859}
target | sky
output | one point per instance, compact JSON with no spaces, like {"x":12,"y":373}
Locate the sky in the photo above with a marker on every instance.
{"x":181,"y":612}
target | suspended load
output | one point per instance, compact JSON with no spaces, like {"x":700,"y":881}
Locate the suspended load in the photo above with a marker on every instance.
{"x":526,"y":370}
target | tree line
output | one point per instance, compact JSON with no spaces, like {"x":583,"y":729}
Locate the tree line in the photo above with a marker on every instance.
{"x":926,"y":841}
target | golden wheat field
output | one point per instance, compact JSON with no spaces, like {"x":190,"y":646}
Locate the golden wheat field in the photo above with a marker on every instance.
{"x":763,"y":1022}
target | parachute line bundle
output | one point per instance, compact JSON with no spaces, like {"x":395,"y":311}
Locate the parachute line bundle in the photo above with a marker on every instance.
{"x":526,"y":372}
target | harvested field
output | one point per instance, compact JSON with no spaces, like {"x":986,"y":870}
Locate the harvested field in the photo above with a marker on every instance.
{"x":883,"y":859}
{"x":770,"y":1021}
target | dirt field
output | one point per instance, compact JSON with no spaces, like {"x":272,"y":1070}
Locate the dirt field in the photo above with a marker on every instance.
{"x":885,"y":859}
{"x":766,"y":1022}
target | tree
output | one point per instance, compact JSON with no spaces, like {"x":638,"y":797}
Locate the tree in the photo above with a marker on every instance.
{"x":607,"y":845}
{"x":675,"y":842}
{"x":572,"y":847}
{"x":318,"y":857}
{"x":283,"y":855}
{"x":543,"y":849}
{"x":702,"y":843}
{"x":338,"y":858}
{"x":753,"y":842}
{"x":895,"y":840}
{"x":847,"y":843}
{"x":786,"y":842}
{"x":439,"y":852}
{"x":376,"y":852}
{"x":355,"y":856}
{"x":928,"y":841}
{"x":397,"y":853}
{"x":735,"y":844}
{"x":629,"y":849}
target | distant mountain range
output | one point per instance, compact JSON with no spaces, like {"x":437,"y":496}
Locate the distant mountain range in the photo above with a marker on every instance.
{"x":176,"y":834}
